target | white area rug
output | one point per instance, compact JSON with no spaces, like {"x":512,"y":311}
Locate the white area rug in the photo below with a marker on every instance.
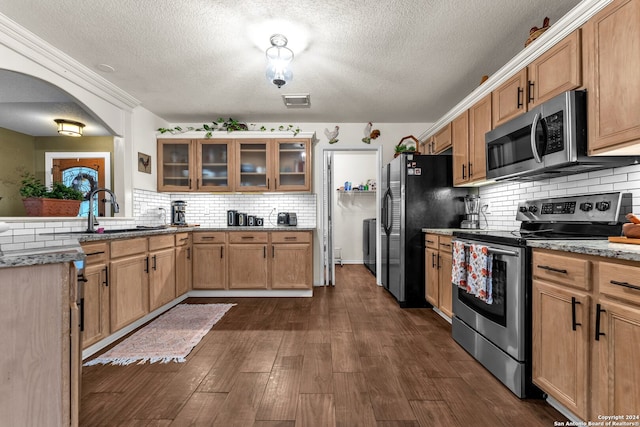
{"x":169,"y":338}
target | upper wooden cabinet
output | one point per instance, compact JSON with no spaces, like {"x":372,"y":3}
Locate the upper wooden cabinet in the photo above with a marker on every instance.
{"x":468,"y":139}
{"x":557,"y":70}
{"x":222,"y":165}
{"x":611,"y":41}
{"x":442,"y":139}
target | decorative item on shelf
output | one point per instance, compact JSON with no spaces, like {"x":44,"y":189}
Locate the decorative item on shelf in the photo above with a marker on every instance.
{"x":279,"y":56}
{"x":229,"y":125}
{"x":535,"y":32}
{"x":38,"y":200}
{"x":69,"y":127}
{"x":484,"y":79}
{"x":370,"y":134}
{"x":144,"y":163}
{"x":333,"y":135}
{"x":409,"y":147}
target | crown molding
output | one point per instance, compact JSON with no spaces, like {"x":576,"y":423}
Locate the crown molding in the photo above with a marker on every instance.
{"x":573,"y":20}
{"x":32,"y":47}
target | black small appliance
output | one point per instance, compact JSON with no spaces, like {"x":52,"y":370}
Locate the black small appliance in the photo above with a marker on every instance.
{"x":178,"y":208}
{"x":242,"y":219}
{"x":287,"y":218}
{"x":232,"y":218}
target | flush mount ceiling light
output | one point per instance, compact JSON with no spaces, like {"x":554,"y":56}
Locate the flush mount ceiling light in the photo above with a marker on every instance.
{"x":279,"y":56}
{"x":69,"y":127}
{"x":299,"y":100}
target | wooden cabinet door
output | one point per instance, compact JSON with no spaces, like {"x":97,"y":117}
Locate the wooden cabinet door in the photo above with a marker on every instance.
{"x":129,"y":290}
{"x":95,"y":304}
{"x":617,"y":350}
{"x":253,"y":165}
{"x":508,"y":100}
{"x":611,"y":40}
{"x":291,"y":266}
{"x":560,"y":353}
{"x":214,"y":160}
{"x":460,"y":143}
{"x":479,"y":125}
{"x":431,"y":290}
{"x":445,"y":296}
{"x":442,"y":139}
{"x":248,"y":266}
{"x":162,"y":278}
{"x":209,"y":266}
{"x":557,"y":70}
{"x":176,"y":169}
{"x":292,"y":160}
{"x":183,"y":269}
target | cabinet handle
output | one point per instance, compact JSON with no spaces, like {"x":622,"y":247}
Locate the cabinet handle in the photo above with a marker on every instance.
{"x":264,"y":251}
{"x":106,"y":277}
{"x":446,"y":245}
{"x":188,"y":253}
{"x":146,"y":265}
{"x":184,"y":239}
{"x":430,"y":241}
{"x":464,"y":175}
{"x":207,"y":238}
{"x":433,"y":147}
{"x":439,"y":258}
{"x":530,"y":91}
{"x":268,"y":187}
{"x":189,"y":182}
{"x":555,"y":270}
{"x":221,"y":252}
{"x":470,"y":169}
{"x":598,"y":311}
{"x":81,"y":314}
{"x":248,"y":237}
{"x":273,"y":251}
{"x":275,"y":182}
{"x":625,"y":284}
{"x":290,"y":238}
{"x":95,"y":253}
{"x":574,"y":302}
{"x":154,"y":263}
{"x":433,"y":260}
{"x":520,"y":93}
{"x":197,"y":183}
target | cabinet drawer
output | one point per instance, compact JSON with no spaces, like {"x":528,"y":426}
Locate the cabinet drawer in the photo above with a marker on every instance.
{"x":444,"y":243}
{"x":97,"y":253}
{"x":209,"y":237}
{"x":120,"y":248}
{"x":161,"y":242}
{"x":291,"y":237}
{"x":620,"y":281}
{"x":431,"y":240}
{"x":568,"y":270}
{"x":248,"y":237}
{"x":183,"y":239}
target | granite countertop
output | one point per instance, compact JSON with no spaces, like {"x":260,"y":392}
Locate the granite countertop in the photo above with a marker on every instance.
{"x":450,"y":231}
{"x":591,"y":247}
{"x":65,"y":247}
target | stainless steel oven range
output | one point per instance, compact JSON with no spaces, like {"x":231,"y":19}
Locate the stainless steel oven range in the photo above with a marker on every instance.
{"x":498,"y":334}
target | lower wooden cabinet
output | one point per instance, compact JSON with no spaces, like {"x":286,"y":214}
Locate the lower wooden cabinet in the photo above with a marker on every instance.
{"x":438,"y":259}
{"x":291,"y":260}
{"x":209,"y":260}
{"x":184,"y":263}
{"x":129,"y":290}
{"x":95,"y":302}
{"x":248,"y":262}
{"x":162,"y":277}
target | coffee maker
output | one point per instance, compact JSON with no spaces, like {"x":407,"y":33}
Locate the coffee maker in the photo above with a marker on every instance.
{"x":471,"y":212}
{"x":178,"y":208}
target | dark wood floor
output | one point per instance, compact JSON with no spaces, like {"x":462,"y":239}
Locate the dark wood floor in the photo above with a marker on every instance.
{"x":347,"y":357}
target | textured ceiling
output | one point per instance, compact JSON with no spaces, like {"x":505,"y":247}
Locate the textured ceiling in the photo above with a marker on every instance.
{"x":361,"y":60}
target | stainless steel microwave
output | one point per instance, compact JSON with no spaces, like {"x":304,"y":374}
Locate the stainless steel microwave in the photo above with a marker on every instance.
{"x":548,"y":141}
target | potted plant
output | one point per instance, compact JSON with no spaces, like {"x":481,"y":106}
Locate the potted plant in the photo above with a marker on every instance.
{"x":39,"y":200}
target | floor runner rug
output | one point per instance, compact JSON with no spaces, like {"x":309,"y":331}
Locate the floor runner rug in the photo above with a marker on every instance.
{"x":169,"y":338}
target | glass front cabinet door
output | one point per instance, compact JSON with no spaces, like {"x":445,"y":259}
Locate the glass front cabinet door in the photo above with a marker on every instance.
{"x":214,"y":160}
{"x":176,"y":170}
{"x":253,"y":165}
{"x":291,"y":169}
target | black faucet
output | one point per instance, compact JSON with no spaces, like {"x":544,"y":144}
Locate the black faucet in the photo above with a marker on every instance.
{"x":92,"y":221}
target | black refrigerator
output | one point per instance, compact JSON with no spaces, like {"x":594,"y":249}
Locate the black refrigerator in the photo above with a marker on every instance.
{"x":417,"y":192}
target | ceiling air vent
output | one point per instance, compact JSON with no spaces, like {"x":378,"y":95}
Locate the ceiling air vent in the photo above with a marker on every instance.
{"x":299,"y":100}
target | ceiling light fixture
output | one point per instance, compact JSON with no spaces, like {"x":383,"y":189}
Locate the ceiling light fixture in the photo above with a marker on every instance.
{"x":69,"y":127}
{"x":279,"y":56}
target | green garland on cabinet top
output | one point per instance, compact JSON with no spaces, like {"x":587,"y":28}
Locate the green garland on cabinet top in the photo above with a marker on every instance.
{"x":230,"y":125}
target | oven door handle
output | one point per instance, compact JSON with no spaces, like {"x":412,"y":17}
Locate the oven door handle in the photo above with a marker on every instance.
{"x":496,"y":251}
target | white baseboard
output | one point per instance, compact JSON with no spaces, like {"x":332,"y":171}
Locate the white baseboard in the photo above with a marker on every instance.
{"x":444,"y":316}
{"x":245,"y":293}
{"x":564,"y":411}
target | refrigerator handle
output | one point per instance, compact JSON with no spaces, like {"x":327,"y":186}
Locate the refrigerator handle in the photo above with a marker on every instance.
{"x":385,"y":219}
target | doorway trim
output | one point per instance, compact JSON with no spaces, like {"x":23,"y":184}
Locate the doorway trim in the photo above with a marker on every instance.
{"x":327,"y":255}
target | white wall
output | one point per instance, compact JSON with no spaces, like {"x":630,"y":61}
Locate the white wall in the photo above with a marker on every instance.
{"x":145,"y":141}
{"x":349,"y":209}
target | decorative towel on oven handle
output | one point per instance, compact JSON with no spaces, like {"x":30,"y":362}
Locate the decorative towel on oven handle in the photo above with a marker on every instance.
{"x":459,"y":265}
{"x":479,"y":273}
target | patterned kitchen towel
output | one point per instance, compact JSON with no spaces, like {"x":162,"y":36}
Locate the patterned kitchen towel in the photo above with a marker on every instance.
{"x":459,"y":265}
{"x":480,"y":267}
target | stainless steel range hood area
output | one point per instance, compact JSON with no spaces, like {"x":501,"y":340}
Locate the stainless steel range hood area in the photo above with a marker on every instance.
{"x":548,"y":141}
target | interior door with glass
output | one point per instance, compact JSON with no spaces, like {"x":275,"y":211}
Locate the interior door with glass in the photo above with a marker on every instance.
{"x":214,"y":158}
{"x":253,"y":165}
{"x":175,"y":159}
{"x":85,"y":175}
{"x":291,"y":167}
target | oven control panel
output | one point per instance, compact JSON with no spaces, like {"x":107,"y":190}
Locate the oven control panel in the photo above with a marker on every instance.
{"x":601,"y":207}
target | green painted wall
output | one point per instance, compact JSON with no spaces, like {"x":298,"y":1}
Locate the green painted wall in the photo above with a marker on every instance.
{"x":17,"y":157}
